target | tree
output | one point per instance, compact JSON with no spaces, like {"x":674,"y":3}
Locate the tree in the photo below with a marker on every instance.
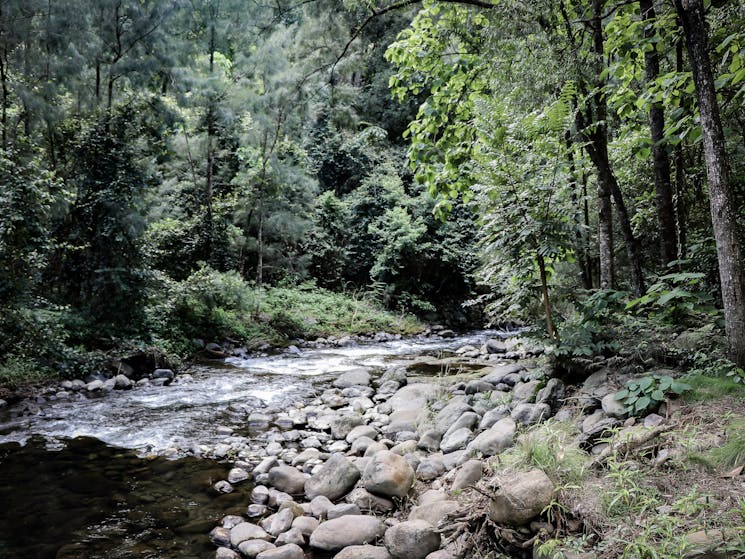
{"x":721,"y":197}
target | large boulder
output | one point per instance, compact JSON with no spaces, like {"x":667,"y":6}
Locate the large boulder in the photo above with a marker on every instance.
{"x":521,"y":498}
{"x":333,"y":480}
{"x":413,"y":539}
{"x":287,"y":479}
{"x":496,"y":439}
{"x":344,"y":531}
{"x":388,"y":474}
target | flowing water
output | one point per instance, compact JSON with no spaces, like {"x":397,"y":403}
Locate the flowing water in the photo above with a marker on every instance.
{"x":78,"y":477}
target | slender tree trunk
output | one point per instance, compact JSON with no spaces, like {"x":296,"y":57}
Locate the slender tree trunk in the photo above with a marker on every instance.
{"x":260,"y":262}
{"x":580,"y":243}
{"x":6,"y":94}
{"x":721,"y":198}
{"x":586,"y":210}
{"x":550,"y":329}
{"x":680,"y":177}
{"x":660,"y":159}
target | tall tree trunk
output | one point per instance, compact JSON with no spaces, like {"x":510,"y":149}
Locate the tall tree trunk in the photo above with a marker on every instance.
{"x":6,"y":94}
{"x":721,"y":198}
{"x":597,"y":148}
{"x":660,"y":159}
{"x":680,"y":177}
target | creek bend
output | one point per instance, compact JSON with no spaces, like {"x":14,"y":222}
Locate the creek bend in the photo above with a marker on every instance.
{"x":87,"y":478}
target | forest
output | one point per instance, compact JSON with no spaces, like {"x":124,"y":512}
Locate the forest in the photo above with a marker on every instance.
{"x":181,"y":172}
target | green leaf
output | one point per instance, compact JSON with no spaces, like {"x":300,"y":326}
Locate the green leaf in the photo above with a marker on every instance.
{"x":658,"y":395}
{"x":621,"y":394}
{"x":642,"y":403}
{"x":645,"y":383}
{"x":666,"y":382}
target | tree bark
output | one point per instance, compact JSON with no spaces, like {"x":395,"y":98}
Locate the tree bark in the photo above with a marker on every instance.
{"x":721,"y":198}
{"x":680,"y":177}
{"x":660,"y":159}
{"x":550,"y":329}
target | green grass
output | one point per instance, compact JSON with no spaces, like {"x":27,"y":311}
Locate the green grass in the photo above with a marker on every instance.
{"x":732,"y":453}
{"x":705,"y":388}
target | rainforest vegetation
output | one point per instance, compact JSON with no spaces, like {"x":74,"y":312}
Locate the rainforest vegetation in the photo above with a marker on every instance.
{"x":174,"y":172}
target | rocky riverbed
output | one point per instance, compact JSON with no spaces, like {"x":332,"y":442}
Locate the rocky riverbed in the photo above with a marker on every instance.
{"x":383,"y":466}
{"x":344,"y":450}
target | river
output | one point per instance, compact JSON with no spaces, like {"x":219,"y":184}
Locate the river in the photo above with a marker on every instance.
{"x":86,"y":478}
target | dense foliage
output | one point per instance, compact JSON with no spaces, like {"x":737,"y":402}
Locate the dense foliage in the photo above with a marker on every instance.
{"x":181,"y":170}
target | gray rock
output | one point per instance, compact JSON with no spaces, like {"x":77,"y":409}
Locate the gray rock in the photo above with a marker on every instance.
{"x":251,"y":548}
{"x":236,"y":475}
{"x":226,"y":553}
{"x":353,"y":378}
{"x":342,"y":532}
{"x":220,"y":536}
{"x":413,"y":539}
{"x":247,"y":531}
{"x":469,"y":420}
{"x":528,"y":414}
{"x":430,"y":440}
{"x":334,"y":479}
{"x":259,"y":420}
{"x":613,"y":407}
{"x":343,"y":509}
{"x":363,"y":552}
{"x":468,"y":474}
{"x":265,"y":465}
{"x":521,"y":498}
{"x":476,"y":386}
{"x":525,"y":391}
{"x":94,"y":385}
{"x":256,"y":511}
{"x":368,"y":502}
{"x":361,"y":431}
{"x":342,"y":424}
{"x":122,"y":382}
{"x":388,"y":474}
{"x":279,"y":522}
{"x":499,"y":372}
{"x":287,"y":479}
{"x":404,"y":448}
{"x":492,"y":346}
{"x":430,"y":497}
{"x":162,"y":373}
{"x":441,"y":554}
{"x":492,"y":416}
{"x":455,"y":459}
{"x":289,"y":551}
{"x":260,"y":495}
{"x":552,"y":394}
{"x":403,"y":436}
{"x":373,"y":449}
{"x":291,"y":536}
{"x":360,"y":445}
{"x":223,"y":487}
{"x":450,"y":414}
{"x":495,"y":439}
{"x":320,"y":505}
{"x":456,"y":440}
{"x":306,"y":524}
{"x":434,"y":513}
{"x":430,"y":468}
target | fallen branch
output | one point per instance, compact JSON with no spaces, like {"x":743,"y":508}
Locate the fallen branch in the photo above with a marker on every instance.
{"x":628,"y":444}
